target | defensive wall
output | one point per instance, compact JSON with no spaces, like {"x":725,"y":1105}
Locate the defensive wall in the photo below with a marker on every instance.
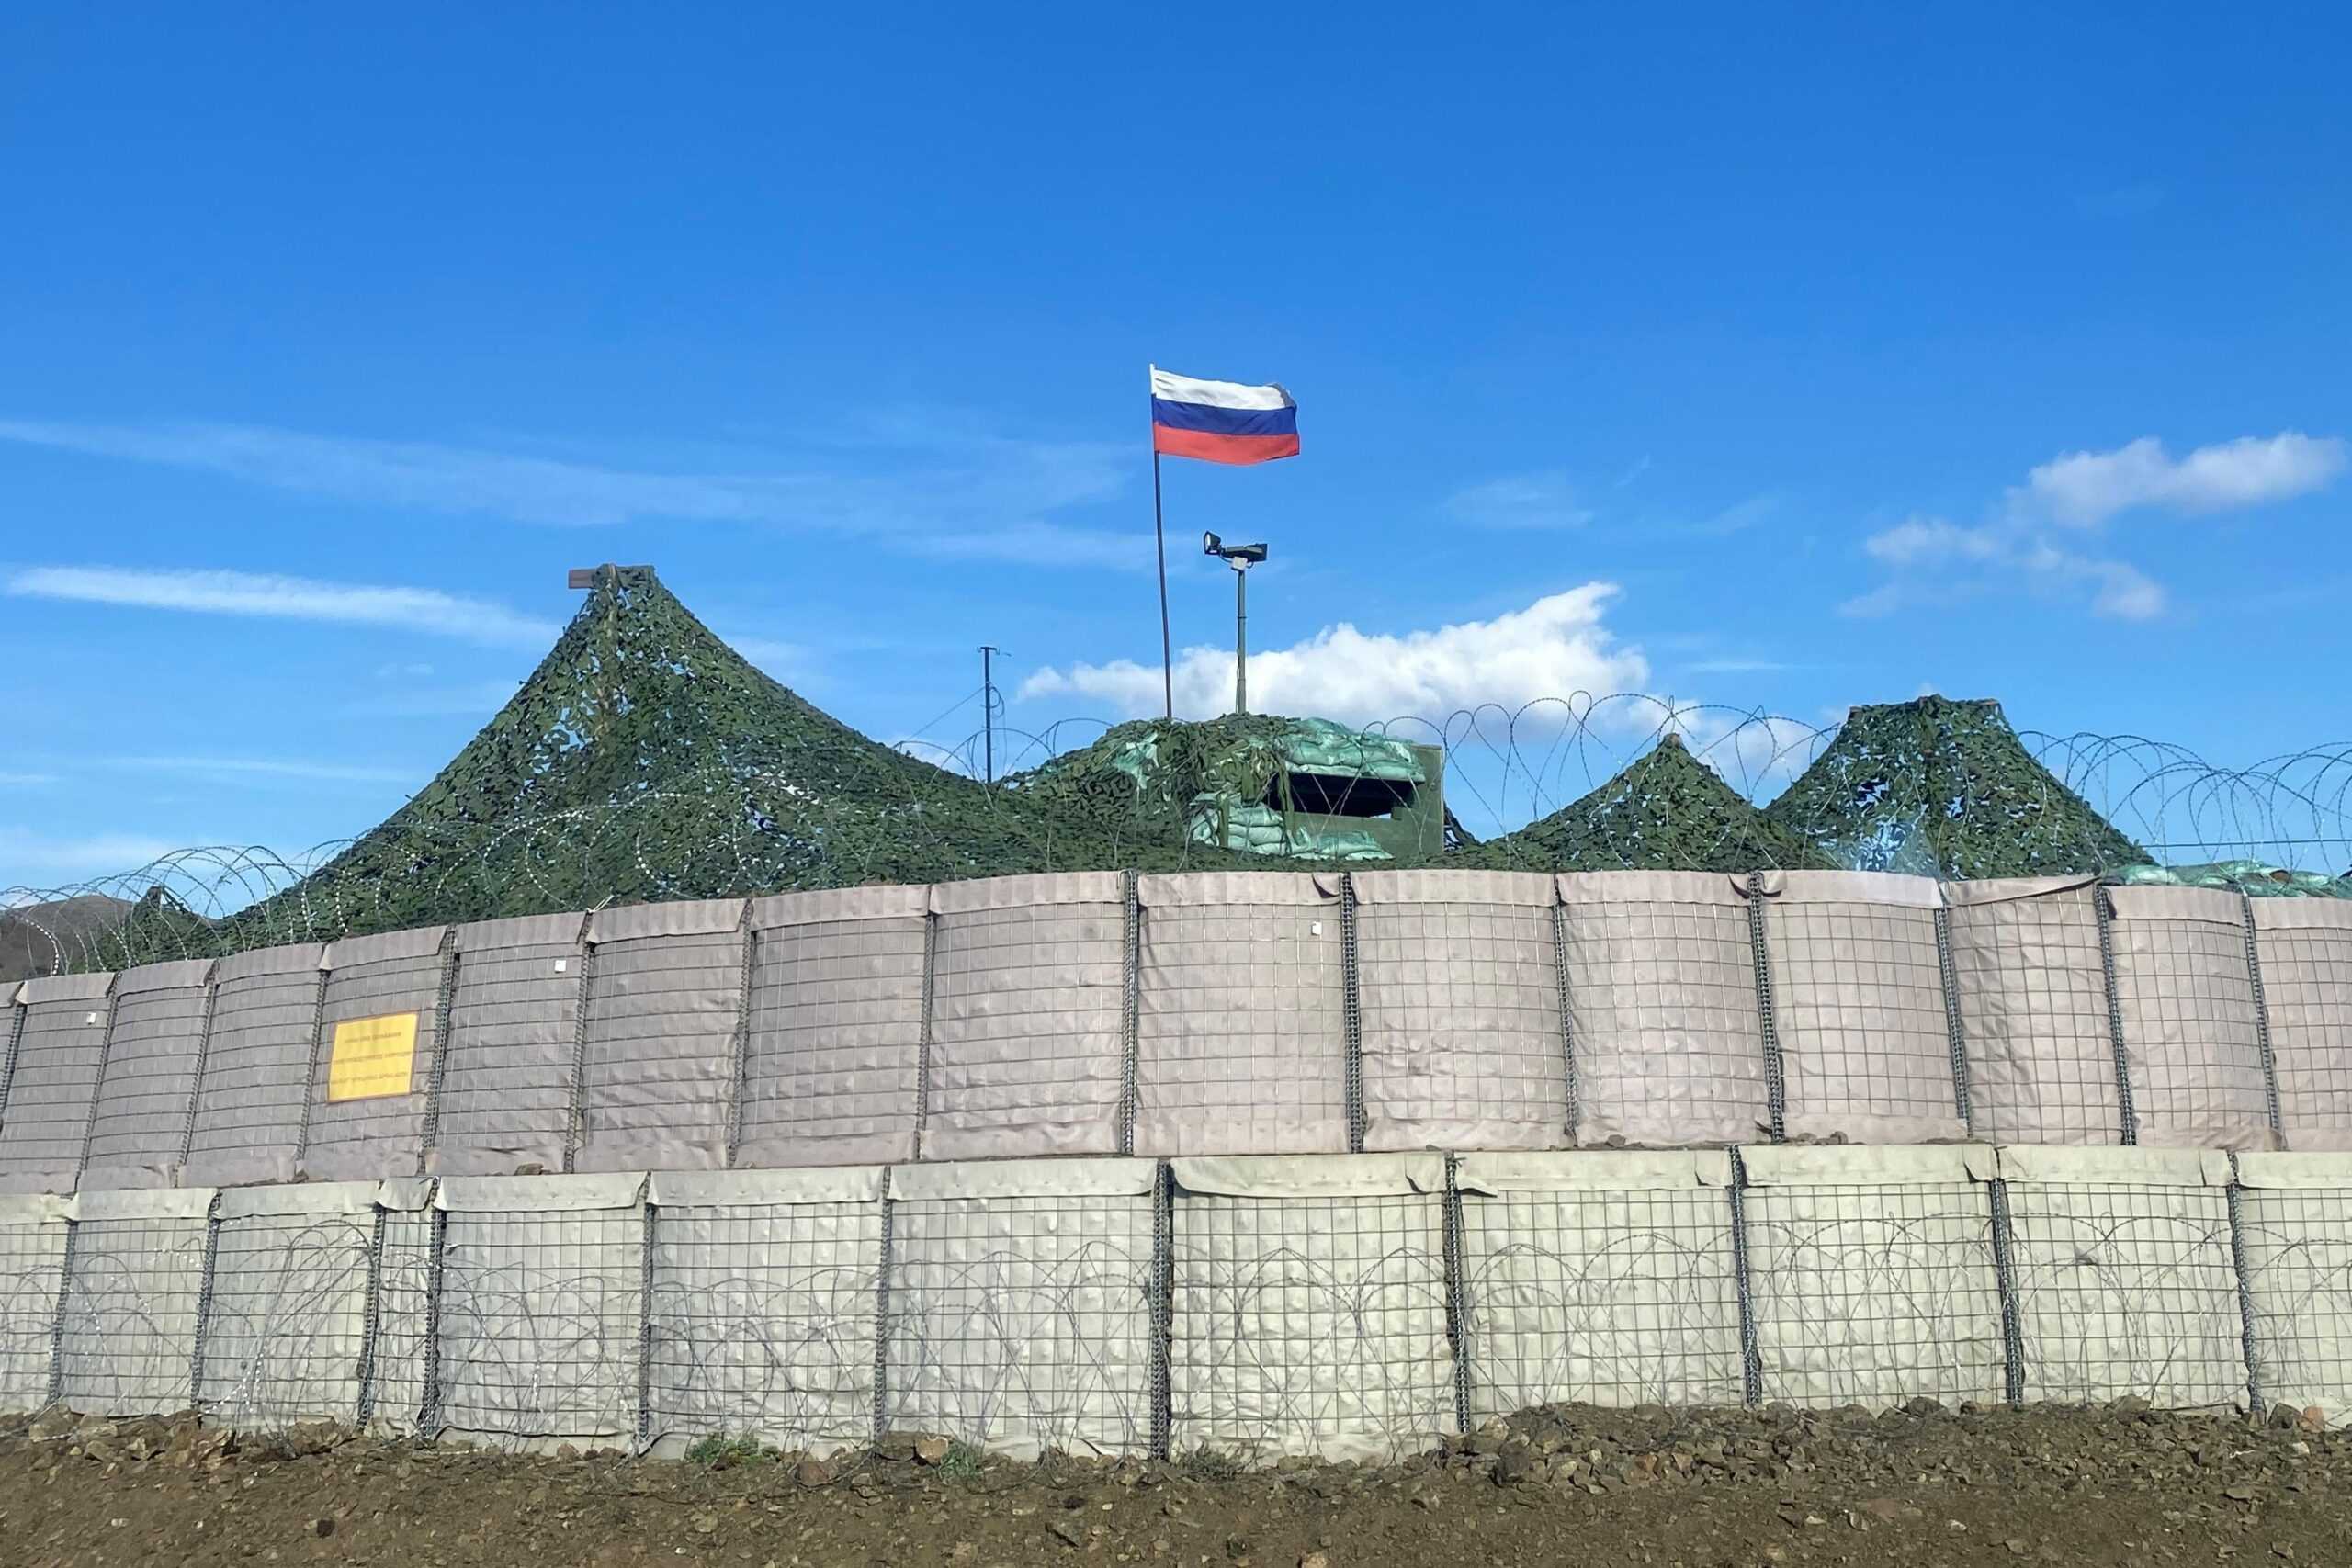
{"x":1269,"y":1162}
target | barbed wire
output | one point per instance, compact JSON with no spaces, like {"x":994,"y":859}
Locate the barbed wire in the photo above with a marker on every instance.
{"x":1579,"y":782}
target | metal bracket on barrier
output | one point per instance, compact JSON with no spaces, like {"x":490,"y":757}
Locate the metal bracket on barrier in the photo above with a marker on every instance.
{"x":1955,"y":1032}
{"x":1574,"y":1086}
{"x":8,"y":1065}
{"x":428,"y":1400}
{"x":204,"y":1304}
{"x":576,"y":1121}
{"x":2248,"y":1343}
{"x":739,"y":1078}
{"x":1351,"y":1014}
{"x":1163,"y":1308}
{"x":1776,"y":1083}
{"x":1457,"y":1302}
{"x":372,"y":1307}
{"x":923,"y":1038}
{"x":57,"y":1323}
{"x":2129,"y":1112}
{"x":444,"y":1007}
{"x":311,"y":1092}
{"x":645,"y":1326}
{"x":1751,"y":1353}
{"x":1130,"y":1019}
{"x":2262,"y":1018}
{"x":882,"y":1321}
{"x":99,"y":1079}
{"x":195,"y":1076}
{"x":2005,"y":1275}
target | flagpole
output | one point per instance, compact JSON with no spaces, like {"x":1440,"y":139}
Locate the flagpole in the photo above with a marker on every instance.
{"x":1159,"y":537}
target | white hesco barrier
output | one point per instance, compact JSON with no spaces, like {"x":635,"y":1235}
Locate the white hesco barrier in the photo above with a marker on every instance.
{"x":1344,"y":1305}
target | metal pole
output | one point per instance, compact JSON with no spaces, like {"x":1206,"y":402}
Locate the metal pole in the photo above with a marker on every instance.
{"x":1240,"y":640}
{"x":987,"y":710}
{"x":1159,"y":539}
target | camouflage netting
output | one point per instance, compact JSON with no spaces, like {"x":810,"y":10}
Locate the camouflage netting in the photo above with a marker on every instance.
{"x":1667,"y":811}
{"x":1943,"y":788}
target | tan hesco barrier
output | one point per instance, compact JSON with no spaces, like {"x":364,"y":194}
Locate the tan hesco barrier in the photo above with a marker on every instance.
{"x":252,"y":1095}
{"x":1462,"y":1033}
{"x":33,"y":1232}
{"x":833,"y":1064}
{"x":2305,"y":945}
{"x":380,"y":1035}
{"x":1210,"y":1013}
{"x":516,"y":1018}
{"x":2294,"y":1237}
{"x":665,"y":1021}
{"x":141,"y":1118}
{"x":1667,"y":1031}
{"x":53,"y":1078}
{"x":1028,"y":1017}
{"x":134,"y":1293}
{"x":1241,"y":1033}
{"x":2032,"y":998}
{"x":2190,"y":1026}
{"x":1865,"y":1040}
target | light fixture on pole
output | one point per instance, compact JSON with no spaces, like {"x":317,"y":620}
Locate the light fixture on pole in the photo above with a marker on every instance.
{"x":1240,"y":558}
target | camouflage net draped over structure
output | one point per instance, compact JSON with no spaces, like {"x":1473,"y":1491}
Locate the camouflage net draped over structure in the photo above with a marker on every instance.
{"x":645,"y":759}
{"x":1943,"y":788}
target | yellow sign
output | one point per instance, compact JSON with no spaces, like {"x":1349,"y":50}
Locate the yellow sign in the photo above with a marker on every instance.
{"x":374,"y":1058}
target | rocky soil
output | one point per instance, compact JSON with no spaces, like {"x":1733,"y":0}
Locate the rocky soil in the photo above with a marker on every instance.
{"x":1923,"y":1487}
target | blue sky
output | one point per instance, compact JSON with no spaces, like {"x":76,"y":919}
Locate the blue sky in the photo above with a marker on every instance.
{"x":1778,"y":361}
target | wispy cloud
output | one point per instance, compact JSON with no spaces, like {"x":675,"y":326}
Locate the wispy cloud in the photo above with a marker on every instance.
{"x":1555,"y":647}
{"x":287,"y":598}
{"x":268,"y":768}
{"x":1937,"y":559}
{"x":1519,"y":501}
{"x":1033,"y":543}
{"x":2084,"y":488}
{"x":933,"y":479}
{"x":26,"y":781}
{"x":30,"y":858}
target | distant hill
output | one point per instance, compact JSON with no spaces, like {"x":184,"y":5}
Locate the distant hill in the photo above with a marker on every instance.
{"x":58,"y":937}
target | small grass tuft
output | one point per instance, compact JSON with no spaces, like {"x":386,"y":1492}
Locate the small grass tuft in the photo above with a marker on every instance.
{"x":963,"y":1462}
{"x":719,"y":1452}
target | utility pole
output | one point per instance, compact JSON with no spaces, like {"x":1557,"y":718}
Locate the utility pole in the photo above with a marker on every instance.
{"x":988,"y":709}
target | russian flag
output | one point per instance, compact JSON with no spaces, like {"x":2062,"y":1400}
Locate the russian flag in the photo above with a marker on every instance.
{"x":1222,"y":422}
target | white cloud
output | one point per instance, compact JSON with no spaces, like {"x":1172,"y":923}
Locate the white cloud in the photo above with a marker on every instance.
{"x":1519,"y":501}
{"x":287,"y":598}
{"x":1938,"y":560}
{"x":37,"y":860}
{"x":26,"y":781}
{"x":937,"y":481}
{"x":1554,"y":648}
{"x":2085,"y":488}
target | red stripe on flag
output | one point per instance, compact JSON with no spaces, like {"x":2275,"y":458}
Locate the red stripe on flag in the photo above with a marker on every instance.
{"x":1213,"y":448}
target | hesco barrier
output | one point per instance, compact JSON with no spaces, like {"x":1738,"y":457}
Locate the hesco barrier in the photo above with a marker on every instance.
{"x":1214,"y":1014}
{"x":1349,"y":1305}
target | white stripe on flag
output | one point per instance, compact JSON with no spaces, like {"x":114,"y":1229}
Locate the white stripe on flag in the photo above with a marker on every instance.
{"x":1175,"y":388}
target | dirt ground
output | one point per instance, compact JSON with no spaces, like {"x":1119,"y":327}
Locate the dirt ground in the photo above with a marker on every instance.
{"x":1922,"y":1487}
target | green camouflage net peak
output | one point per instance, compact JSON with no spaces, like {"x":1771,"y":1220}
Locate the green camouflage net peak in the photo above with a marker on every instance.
{"x":1936,"y":788}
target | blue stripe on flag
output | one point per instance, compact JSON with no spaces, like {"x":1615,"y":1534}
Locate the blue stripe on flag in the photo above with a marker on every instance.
{"x":1224,"y":422}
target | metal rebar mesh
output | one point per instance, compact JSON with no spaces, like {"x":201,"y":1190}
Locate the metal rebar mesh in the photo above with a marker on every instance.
{"x":1600,"y":1297}
{"x":32,"y":1271}
{"x":131,"y":1315}
{"x":284,"y":1333}
{"x":2297,"y":1250}
{"x":1023,"y":1324}
{"x":1309,"y":1324}
{"x":540,"y":1323}
{"x":763,"y":1319}
{"x":2126,"y":1289}
{"x":1872,"y":1295}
